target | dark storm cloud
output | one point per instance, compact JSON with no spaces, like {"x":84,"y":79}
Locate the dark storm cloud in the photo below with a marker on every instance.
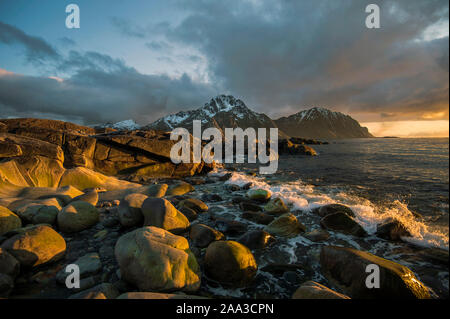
{"x":96,"y":96}
{"x":37,"y":50}
{"x":100,"y":89}
{"x":286,"y":55}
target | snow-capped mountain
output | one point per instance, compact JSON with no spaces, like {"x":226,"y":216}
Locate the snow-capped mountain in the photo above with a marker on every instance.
{"x":321,"y":123}
{"x":221,"y":112}
{"x":127,"y":125}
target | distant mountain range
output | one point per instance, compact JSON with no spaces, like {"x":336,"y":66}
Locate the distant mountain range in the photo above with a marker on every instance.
{"x":226,"y":111}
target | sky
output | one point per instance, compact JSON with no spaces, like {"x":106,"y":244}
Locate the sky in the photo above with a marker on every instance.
{"x":143,"y":59}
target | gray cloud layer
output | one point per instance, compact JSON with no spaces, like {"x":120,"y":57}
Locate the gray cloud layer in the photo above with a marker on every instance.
{"x":278,"y":56}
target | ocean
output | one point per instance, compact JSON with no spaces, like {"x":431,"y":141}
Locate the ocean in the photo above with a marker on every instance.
{"x":405,"y":179}
{"x":378,"y":178}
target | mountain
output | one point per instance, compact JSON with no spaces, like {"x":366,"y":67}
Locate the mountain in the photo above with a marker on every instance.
{"x":320,"y":123}
{"x":127,"y":125}
{"x":221,"y":112}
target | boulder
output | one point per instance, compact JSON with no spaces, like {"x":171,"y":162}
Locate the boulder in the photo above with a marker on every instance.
{"x":156,"y":190}
{"x":35,"y":245}
{"x":314,"y":290}
{"x":286,"y":225}
{"x":77,"y":216}
{"x":153,"y":259}
{"x":259,"y":218}
{"x":130,"y":212}
{"x":346,"y":268}
{"x":203,"y":235}
{"x":317,"y":235}
{"x":334,"y":208}
{"x":195,"y":204}
{"x":230,"y":263}
{"x":260,"y":195}
{"x":161,"y":213}
{"x":392,"y":229}
{"x":230,"y":227}
{"x":180,"y":189}
{"x":43,"y":211}
{"x":249,"y":207}
{"x":190,"y":214}
{"x":276,"y":206}
{"x":8,"y":220}
{"x":342,"y":223}
{"x":90,"y":197}
{"x":256,"y":239}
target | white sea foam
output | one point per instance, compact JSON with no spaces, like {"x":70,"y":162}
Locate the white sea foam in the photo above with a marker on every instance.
{"x":305,"y":197}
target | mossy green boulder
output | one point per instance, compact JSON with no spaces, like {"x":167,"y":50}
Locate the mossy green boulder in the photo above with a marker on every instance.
{"x":276,"y":206}
{"x":286,"y":225}
{"x":258,"y":194}
{"x":153,"y":259}
{"x":230,"y":263}
{"x":77,"y":216}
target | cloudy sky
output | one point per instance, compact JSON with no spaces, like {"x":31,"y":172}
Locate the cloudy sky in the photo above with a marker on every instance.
{"x":145,"y":59}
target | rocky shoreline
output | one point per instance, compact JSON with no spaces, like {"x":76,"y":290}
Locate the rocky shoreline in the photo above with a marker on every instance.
{"x":173,"y":236}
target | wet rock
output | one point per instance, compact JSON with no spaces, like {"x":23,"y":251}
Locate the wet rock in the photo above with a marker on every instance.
{"x":345,"y":268}
{"x":102,"y":291}
{"x":286,"y":225}
{"x":130,"y":210}
{"x":153,"y":259}
{"x":89,"y":265}
{"x":256,"y":239}
{"x":249,"y":207}
{"x":161,"y":213}
{"x":8,"y":220}
{"x":35,"y":245}
{"x":260,"y":195}
{"x":247,"y":186}
{"x":334,"y":208}
{"x":180,"y":189}
{"x":195,"y":204}
{"x":230,"y":263}
{"x":203,"y":235}
{"x":392,"y":229}
{"x":342,"y":223}
{"x":317,"y":235}
{"x":77,"y":216}
{"x":225,"y":177}
{"x":314,"y":290}
{"x":190,"y":214}
{"x":212,"y":198}
{"x":259,"y":218}
{"x":276,"y":206}
{"x":230,"y":227}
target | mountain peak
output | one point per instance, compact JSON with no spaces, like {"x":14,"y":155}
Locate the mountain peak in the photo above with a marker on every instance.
{"x":223,"y":103}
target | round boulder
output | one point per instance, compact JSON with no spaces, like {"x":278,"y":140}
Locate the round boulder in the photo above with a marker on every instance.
{"x":36,"y":245}
{"x":342,"y":223}
{"x":161,"y":213}
{"x":276,"y":206}
{"x":153,"y":259}
{"x":203,"y":235}
{"x":230,"y":263}
{"x":130,"y":212}
{"x":334,"y":208}
{"x":260,"y":195}
{"x":77,"y":216}
{"x":256,"y":239}
{"x":286,"y":225}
